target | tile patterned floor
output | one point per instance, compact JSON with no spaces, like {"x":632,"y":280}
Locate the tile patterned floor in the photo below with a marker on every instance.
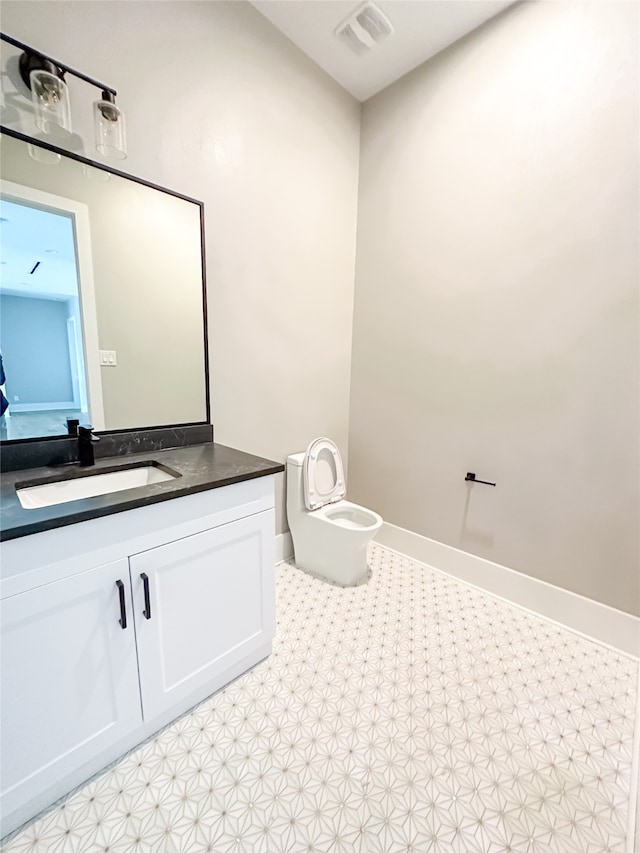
{"x":412,"y":713}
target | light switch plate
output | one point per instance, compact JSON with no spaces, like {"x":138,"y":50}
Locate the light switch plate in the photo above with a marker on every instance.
{"x":107,"y":358}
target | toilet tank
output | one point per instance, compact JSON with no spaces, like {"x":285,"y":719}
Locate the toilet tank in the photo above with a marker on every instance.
{"x":295,"y":488}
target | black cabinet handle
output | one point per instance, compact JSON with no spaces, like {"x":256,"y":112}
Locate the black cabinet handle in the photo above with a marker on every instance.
{"x":147,"y":600}
{"x":122,"y":621}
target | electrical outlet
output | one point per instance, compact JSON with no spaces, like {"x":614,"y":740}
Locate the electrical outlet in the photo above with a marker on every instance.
{"x":107,"y":358}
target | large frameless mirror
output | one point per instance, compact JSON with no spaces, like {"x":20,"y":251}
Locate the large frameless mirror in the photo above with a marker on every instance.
{"x":102,"y":301}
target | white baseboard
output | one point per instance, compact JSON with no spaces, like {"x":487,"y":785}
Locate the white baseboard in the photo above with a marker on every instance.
{"x":284,"y":547}
{"x":633,"y":823}
{"x":597,"y":621}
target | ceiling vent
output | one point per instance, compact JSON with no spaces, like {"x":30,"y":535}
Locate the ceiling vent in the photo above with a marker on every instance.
{"x":364,"y":28}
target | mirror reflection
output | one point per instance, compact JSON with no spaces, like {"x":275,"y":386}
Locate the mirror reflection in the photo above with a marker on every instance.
{"x":101,"y":300}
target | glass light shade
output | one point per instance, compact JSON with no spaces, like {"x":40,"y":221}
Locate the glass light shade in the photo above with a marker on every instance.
{"x":50,"y":97}
{"x":41,"y":155}
{"x":110,"y":131}
{"x":99,"y":176}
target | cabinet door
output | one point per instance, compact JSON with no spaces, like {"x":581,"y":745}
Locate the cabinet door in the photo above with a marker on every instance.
{"x":69,"y":679}
{"x":212,"y":611}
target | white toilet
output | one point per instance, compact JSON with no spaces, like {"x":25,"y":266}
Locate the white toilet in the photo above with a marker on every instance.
{"x":330,"y":535}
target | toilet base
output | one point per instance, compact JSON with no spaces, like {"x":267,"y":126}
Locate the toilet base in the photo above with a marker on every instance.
{"x":341,"y":569}
{"x":364,"y":579}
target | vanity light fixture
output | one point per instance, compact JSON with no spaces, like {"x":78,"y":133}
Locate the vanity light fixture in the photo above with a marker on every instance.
{"x":45,"y":77}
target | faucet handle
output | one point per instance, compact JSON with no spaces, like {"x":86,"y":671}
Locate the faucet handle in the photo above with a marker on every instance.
{"x":87,"y":433}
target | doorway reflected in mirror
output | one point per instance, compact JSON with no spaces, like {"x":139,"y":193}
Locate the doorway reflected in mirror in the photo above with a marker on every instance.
{"x":41,"y":315}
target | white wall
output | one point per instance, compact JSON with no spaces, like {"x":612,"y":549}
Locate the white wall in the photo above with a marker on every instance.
{"x":35,"y":381}
{"x":496,"y":316}
{"x":223,"y":108}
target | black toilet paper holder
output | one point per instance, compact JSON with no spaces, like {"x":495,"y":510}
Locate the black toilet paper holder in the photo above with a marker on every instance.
{"x":472,"y":478}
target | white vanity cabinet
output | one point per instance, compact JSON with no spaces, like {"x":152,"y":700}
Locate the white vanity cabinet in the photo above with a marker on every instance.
{"x":113,"y":627}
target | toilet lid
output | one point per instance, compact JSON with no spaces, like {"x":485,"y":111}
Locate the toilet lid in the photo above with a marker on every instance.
{"x":322,"y":474}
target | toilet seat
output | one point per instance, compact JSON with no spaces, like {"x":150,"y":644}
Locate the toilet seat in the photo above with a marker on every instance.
{"x":322,"y":474}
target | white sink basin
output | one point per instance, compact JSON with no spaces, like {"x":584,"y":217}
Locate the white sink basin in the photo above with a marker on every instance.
{"x":91,"y":485}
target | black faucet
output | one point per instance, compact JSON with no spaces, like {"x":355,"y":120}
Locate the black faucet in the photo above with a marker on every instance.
{"x":86,"y":439}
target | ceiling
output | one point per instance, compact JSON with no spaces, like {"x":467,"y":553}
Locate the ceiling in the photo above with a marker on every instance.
{"x":38,"y":252}
{"x":422,"y":28}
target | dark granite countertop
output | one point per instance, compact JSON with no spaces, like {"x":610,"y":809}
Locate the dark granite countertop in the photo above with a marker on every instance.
{"x":201,"y":467}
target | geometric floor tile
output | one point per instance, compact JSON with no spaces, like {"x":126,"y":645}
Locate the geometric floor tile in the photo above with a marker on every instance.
{"x":411,"y":713}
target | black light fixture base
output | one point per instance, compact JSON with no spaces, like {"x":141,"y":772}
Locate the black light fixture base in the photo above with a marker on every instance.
{"x":55,"y":67}
{"x":29,"y":62}
{"x":111,"y":113}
